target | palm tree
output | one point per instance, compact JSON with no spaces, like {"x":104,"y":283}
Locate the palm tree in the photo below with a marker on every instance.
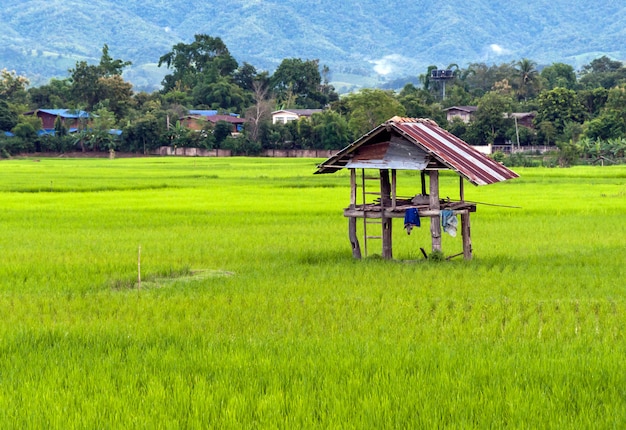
{"x":528,"y":78}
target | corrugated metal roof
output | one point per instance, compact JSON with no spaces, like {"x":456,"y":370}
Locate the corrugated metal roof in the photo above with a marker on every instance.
{"x":202,"y":112}
{"x":66,"y":113}
{"x":441,"y":145}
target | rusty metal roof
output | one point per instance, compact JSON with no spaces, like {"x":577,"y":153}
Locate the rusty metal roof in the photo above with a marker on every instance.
{"x":444,"y":150}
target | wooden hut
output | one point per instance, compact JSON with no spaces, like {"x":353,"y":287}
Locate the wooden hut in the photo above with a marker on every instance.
{"x":409,"y":144}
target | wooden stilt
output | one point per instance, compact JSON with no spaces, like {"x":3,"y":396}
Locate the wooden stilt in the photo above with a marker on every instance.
{"x":352,"y":188}
{"x":393,"y":188}
{"x":385,"y":202}
{"x":354,"y":240}
{"x":467,"y":238}
{"x":435,"y":221}
{"x":387,"y":230}
{"x":461,"y":189}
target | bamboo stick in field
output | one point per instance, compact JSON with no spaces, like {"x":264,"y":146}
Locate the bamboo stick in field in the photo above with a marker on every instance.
{"x":139,"y":268}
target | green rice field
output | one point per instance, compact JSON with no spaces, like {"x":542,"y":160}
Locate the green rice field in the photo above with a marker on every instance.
{"x":251,"y":312}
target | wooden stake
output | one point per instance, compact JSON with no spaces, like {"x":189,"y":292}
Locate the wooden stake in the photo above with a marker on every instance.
{"x":139,"y":268}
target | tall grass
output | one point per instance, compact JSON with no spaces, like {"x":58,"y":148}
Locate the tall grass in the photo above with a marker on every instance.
{"x":286,"y":329}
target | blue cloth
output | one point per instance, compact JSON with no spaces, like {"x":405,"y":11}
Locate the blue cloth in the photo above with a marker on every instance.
{"x":411,"y":219}
{"x":445,"y":216}
{"x":449,"y":222}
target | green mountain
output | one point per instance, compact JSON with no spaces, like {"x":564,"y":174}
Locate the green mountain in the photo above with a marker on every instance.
{"x":363,"y":42}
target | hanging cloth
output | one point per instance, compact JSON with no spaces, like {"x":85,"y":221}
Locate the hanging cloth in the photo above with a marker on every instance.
{"x":411,"y":219}
{"x":449,"y":222}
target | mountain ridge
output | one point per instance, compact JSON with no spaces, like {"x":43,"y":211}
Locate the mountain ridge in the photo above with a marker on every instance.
{"x":361,"y":41}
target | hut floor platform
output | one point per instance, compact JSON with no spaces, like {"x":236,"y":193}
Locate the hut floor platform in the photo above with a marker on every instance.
{"x":376,"y":210}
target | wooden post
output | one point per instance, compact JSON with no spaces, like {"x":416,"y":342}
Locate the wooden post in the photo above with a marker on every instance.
{"x":465,"y":224}
{"x":423,"y":177}
{"x":435,"y":221}
{"x":352,"y":188}
{"x":465,"y":232}
{"x":461,"y":189}
{"x":385,"y":202}
{"x":354,"y":240}
{"x":393,"y":189}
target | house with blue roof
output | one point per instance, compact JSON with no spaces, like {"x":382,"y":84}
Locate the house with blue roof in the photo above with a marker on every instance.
{"x":71,"y":118}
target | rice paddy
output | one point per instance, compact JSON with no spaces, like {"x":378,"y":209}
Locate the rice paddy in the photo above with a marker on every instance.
{"x":251,"y":312}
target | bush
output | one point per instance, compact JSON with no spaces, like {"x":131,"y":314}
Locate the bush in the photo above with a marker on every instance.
{"x":520,"y":160}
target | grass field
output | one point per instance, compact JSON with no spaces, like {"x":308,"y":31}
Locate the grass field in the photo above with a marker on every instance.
{"x":253,"y":314}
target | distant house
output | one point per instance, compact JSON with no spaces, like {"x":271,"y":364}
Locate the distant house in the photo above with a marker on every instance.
{"x":466,"y":113}
{"x":72,"y":119}
{"x":284,"y":116}
{"x":195,"y":121}
{"x":524,"y":118}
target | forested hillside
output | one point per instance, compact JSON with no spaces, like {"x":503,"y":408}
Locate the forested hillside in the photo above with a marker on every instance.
{"x":363,"y":42}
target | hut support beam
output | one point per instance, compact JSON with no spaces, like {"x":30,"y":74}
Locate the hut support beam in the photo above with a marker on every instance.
{"x":435,"y":221}
{"x":352,"y":234}
{"x":354,"y":240}
{"x":385,"y":202}
{"x":465,"y":224}
{"x":465,"y":232}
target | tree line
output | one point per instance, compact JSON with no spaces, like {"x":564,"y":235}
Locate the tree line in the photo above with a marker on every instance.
{"x":581,"y":112}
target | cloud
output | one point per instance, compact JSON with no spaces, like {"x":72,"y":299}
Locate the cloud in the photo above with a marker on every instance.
{"x":389,"y":64}
{"x":498,"y":50}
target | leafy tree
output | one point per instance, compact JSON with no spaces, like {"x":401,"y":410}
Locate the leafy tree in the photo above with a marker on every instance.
{"x":492,"y":119}
{"x":603,"y":72}
{"x":190,"y":63}
{"x":298,"y":83}
{"x":371,"y":107}
{"x":116,"y":94}
{"x":25,"y":131}
{"x":547,"y":132}
{"x":481,"y":78}
{"x":220,"y":94}
{"x":13,"y":87}
{"x":611,"y":123}
{"x":330,"y":130}
{"x":8,"y":116}
{"x":559,"y":75}
{"x":559,"y":106}
{"x":593,"y":100}
{"x":110,"y":67}
{"x":221,"y":131}
{"x":457,"y":95}
{"x":56,"y":94}
{"x":84,"y":79}
{"x":91,"y":84}
{"x":418,"y":103}
{"x":458,"y":127}
{"x":246,"y":76}
{"x":145,"y":133}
